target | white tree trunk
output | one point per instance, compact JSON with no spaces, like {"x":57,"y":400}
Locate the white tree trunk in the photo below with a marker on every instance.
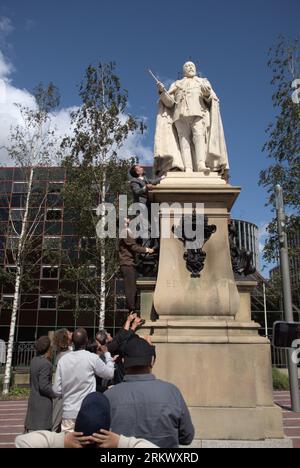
{"x":16,"y":301}
{"x":102,"y":260}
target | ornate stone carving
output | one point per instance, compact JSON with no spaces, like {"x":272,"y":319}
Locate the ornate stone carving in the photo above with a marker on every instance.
{"x":195,"y":258}
{"x":241,"y":259}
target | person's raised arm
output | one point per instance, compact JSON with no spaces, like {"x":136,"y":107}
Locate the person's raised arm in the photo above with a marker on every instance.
{"x":167,"y":97}
{"x":135,"y":247}
{"x":122,"y":335}
{"x":137,"y":189}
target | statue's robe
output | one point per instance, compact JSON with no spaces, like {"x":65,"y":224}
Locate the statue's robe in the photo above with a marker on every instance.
{"x":167,"y":155}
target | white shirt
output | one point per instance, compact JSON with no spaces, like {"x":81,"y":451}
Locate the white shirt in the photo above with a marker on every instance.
{"x":46,"y":439}
{"x":75,"y":378}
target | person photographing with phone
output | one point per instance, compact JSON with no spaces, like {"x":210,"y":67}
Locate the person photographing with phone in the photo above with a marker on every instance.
{"x":116,"y":347}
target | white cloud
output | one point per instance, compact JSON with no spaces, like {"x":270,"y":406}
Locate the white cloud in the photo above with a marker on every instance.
{"x":6,"y":67}
{"x":134,"y":146}
{"x":10,"y":115}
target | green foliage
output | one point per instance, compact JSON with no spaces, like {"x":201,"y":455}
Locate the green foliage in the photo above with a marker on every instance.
{"x":81,"y":273}
{"x":19,"y":392}
{"x":283,"y":146}
{"x":101,"y":124}
{"x":34,"y":142}
{"x":280,"y":380}
{"x":15,"y":393}
{"x":47,"y":98}
{"x":96,"y":174}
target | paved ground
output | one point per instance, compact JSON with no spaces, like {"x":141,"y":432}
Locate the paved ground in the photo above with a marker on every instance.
{"x":12,"y":415}
{"x":291,"y":421}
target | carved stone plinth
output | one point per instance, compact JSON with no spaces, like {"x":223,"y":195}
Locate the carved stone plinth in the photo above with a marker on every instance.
{"x":206,"y":343}
{"x":215,"y":292}
{"x":223,"y":369}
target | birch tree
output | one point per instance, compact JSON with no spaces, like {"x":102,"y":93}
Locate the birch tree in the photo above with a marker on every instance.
{"x":84,"y":270}
{"x":32,"y":144}
{"x":101,"y":127}
{"x":283,"y":145}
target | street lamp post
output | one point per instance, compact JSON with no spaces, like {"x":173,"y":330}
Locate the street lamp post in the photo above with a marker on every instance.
{"x":287,"y":296}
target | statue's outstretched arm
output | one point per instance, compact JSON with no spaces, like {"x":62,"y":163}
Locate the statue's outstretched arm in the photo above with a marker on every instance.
{"x":167,"y":97}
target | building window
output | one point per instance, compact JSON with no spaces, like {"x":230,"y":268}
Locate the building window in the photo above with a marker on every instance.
{"x":52,"y":243}
{"x":5,"y":186}
{"x":50,"y":272}
{"x":20,"y":187}
{"x":48,"y":302}
{"x":18,"y":200}
{"x":4,"y":213}
{"x":13,"y":243}
{"x":17,"y":214}
{"x":12,"y":269}
{"x":93,"y":271}
{"x":121,"y":303}
{"x":4,"y":201}
{"x":7,"y":302}
{"x":88,"y":243}
{"x":87,"y":303}
{"x":55,"y":187}
{"x":54,"y":214}
{"x":120,"y":287}
{"x":6,"y":173}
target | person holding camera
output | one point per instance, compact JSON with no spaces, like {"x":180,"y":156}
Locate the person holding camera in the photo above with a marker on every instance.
{"x":75,"y":376}
{"x":116,"y":347}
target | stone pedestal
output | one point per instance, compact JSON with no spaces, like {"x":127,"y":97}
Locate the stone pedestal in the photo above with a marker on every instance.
{"x":215,"y":293}
{"x":223,"y":369}
{"x":146,"y":287}
{"x":206,"y":343}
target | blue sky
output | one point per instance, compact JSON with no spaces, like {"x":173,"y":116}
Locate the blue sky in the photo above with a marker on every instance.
{"x":228,"y":40}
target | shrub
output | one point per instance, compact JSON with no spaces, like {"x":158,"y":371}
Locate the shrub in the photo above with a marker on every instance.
{"x":19,"y":392}
{"x":280,"y":380}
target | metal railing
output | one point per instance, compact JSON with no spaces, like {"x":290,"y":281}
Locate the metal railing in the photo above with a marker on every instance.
{"x":279,"y":357}
{"x":23,"y":352}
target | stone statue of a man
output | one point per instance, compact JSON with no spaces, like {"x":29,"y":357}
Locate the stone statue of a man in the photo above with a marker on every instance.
{"x":189,"y":133}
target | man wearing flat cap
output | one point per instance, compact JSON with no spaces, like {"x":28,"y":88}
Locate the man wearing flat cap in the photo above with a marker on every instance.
{"x":145,"y":407}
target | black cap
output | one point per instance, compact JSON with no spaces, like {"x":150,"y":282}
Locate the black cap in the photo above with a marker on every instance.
{"x":94,"y":414}
{"x":138,"y":352}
